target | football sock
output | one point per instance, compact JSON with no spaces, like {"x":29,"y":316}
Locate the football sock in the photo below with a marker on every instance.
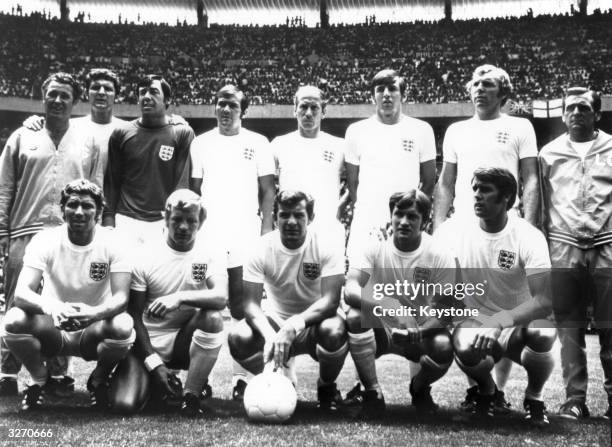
{"x":331,"y":362}
{"x":27,"y":348}
{"x":203,"y":353}
{"x":238,"y":371}
{"x":539,"y":366}
{"x":429,"y":373}
{"x":502,"y":372}
{"x":111,"y":352}
{"x":363,"y":350}
{"x":481,"y":374}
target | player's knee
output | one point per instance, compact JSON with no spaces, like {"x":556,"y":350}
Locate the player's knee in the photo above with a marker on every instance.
{"x":16,"y":321}
{"x":540,"y":335}
{"x":353,"y":320}
{"x":240,"y":341}
{"x":462,"y":345}
{"x":129,"y":386}
{"x":439,"y":348}
{"x":331,"y":333}
{"x":211,"y":321}
{"x":120,"y":327}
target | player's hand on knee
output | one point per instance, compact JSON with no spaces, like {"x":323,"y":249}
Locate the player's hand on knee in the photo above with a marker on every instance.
{"x":160,"y":376}
{"x":282,"y":345}
{"x":485,"y":338}
{"x":84,"y":315}
{"x":162,"y":306}
{"x":61,"y":314}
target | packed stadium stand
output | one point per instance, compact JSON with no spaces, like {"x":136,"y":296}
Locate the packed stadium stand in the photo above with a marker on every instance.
{"x":543,"y":54}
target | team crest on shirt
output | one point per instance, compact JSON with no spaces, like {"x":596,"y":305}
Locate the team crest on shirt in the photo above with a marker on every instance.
{"x":166,"y":152}
{"x":408,"y":145}
{"x":198,"y":271}
{"x":506,"y":259}
{"x":421,"y":274}
{"x":98,"y":270}
{"x":328,"y":156}
{"x":249,"y":153}
{"x":311,"y":270}
{"x":502,"y":137}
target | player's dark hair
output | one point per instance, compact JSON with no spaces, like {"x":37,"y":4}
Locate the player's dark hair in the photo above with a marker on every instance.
{"x":96,"y":74}
{"x":83,"y":186}
{"x":499,"y":74}
{"x":403,"y":200}
{"x":503,"y":180}
{"x":580,"y":91}
{"x":182,"y":199}
{"x":229,"y":90}
{"x":387,"y":77}
{"x":63,"y":78}
{"x":289,"y":199}
{"x":147,"y":80}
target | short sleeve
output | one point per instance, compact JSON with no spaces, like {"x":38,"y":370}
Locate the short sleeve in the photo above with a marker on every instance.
{"x":351,"y":146}
{"x":535,"y":254}
{"x":333,"y":262}
{"x":428,"y":147}
{"x":195,"y":150}
{"x":265,"y":159}
{"x":254,"y":267}
{"x":37,"y":253}
{"x":449,"y":153}
{"x":527,"y":145}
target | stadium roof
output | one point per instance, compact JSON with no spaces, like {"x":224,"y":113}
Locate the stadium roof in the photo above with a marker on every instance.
{"x":265,"y":12}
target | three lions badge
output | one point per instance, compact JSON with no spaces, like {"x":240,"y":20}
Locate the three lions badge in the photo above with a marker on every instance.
{"x":166,"y":152}
{"x":98,"y":270}
{"x":311,"y":270}
{"x":506,"y":259}
{"x":198,"y":272}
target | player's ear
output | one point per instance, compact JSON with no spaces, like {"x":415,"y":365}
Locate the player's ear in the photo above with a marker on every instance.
{"x":597,"y":116}
{"x":323,"y":109}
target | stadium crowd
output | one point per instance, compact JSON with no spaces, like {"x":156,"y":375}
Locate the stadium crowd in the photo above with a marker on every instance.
{"x":543,"y":54}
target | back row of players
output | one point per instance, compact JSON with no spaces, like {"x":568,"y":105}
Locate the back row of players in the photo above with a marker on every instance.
{"x":301,"y":266}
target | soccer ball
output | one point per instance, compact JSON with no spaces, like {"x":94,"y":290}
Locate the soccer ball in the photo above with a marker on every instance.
{"x":270,"y":397}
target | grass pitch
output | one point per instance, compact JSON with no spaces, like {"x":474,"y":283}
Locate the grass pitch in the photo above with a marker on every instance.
{"x":72,"y":423}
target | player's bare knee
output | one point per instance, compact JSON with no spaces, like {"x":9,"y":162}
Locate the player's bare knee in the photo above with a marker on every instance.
{"x":119,"y":327}
{"x":210,"y":321}
{"x":439,"y":348}
{"x":240,"y":341}
{"x":540,"y":335}
{"x":17,"y":321}
{"x":331,"y":333}
{"x":462,"y":346}
{"x":353,"y":320}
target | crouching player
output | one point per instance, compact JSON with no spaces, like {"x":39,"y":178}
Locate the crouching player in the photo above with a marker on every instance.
{"x":374,"y":327}
{"x":179,"y":287}
{"x":302,"y":274}
{"x":80,"y":310}
{"x":510,"y":257}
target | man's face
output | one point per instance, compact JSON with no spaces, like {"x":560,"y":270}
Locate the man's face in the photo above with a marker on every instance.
{"x":309,"y":112}
{"x":488,"y":202}
{"x":293,"y":223}
{"x":101,"y":94}
{"x":59,"y":99}
{"x":485,"y":93}
{"x":81,"y":213}
{"x":183,"y":225}
{"x":579,"y":115}
{"x":407,"y":225}
{"x":388,"y":97}
{"x":151,"y":100}
{"x":228,"y":111}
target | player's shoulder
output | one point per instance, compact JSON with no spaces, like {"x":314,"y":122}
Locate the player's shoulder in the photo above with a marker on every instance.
{"x":281,"y":141}
{"x":415,"y":123}
{"x":460,"y":125}
{"x":253,"y":136}
{"x":525,"y":230}
{"x":554,"y":145}
{"x":361,"y":125}
{"x":49,"y":237}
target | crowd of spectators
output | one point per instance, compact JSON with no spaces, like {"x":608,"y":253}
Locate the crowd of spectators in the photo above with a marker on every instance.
{"x":543,"y":55}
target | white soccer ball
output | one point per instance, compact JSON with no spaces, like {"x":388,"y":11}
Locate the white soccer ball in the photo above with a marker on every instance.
{"x":269,"y":397}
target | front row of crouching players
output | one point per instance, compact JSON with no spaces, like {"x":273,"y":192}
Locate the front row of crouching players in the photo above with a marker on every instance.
{"x":302,"y":273}
{"x":80,"y":310}
{"x":509,"y":256}
{"x":409,"y":256}
{"x":179,"y":288}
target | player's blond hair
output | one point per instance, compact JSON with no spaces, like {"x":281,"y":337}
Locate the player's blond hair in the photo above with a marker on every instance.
{"x":309,"y":90}
{"x":499,"y":74}
{"x":182,"y":199}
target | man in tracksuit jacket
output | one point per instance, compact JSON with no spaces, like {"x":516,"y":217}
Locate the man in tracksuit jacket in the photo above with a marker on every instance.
{"x":576,"y":171}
